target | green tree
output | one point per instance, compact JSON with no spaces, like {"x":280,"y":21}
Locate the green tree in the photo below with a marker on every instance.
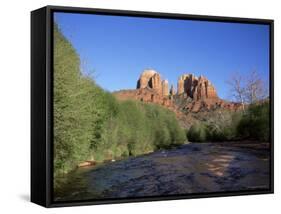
{"x":90,"y":123}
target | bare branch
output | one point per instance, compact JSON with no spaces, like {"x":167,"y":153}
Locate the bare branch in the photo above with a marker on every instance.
{"x":256,"y":89}
{"x":237,"y":88}
{"x":247,"y":89}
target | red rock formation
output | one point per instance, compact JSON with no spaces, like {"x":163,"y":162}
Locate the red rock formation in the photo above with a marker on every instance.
{"x":165,"y":88}
{"x":210,"y":105}
{"x":196,"y":88}
{"x":150,"y":88}
{"x":172,"y":90}
{"x":151,"y":79}
{"x":156,"y":83}
{"x":147,"y":95}
{"x":194,"y":94}
{"x":145,"y":79}
{"x":180,"y":86}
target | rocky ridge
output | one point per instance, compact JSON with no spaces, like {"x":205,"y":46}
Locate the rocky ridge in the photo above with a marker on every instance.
{"x":194,"y":94}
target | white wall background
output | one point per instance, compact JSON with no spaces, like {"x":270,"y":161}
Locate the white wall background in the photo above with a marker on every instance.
{"x":15,"y":105}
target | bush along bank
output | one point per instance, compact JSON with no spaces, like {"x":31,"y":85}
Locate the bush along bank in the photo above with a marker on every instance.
{"x":91,"y":125}
{"x":253,"y":124}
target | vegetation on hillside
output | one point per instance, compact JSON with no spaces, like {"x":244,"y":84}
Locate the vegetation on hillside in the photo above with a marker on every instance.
{"x":251,"y":124}
{"x":90,"y":124}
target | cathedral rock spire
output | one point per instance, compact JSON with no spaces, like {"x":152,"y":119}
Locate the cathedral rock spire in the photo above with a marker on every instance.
{"x":196,"y":87}
{"x":152,"y":79}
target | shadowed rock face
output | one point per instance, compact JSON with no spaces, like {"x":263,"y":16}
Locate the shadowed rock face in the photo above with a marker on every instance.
{"x":172,"y":90}
{"x":196,"y":88}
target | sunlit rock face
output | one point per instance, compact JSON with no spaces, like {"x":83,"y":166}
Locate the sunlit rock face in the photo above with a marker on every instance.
{"x":152,"y":79}
{"x":202,"y":95}
{"x":193,"y":94}
{"x":150,"y":89}
{"x":165,"y":88}
{"x":145,"y":78}
{"x":196,"y":88}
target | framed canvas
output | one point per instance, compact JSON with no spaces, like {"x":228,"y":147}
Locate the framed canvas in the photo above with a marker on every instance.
{"x":130,"y":106}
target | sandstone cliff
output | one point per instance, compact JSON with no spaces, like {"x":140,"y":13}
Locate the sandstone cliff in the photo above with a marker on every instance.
{"x":194,"y":94}
{"x":172,"y":90}
{"x":152,"y":79}
{"x":151,"y":89}
{"x":147,"y":95}
{"x":165,"y":88}
{"x":196,"y":88}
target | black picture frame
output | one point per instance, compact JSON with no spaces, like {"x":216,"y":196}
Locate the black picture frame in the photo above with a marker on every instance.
{"x":42,"y":108}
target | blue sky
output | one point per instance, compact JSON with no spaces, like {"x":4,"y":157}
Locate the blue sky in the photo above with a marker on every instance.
{"x":115,"y":50}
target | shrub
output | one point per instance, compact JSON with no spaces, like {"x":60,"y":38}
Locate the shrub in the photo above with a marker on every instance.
{"x":255,"y":123}
{"x":216,"y":126}
{"x":197,"y":133}
{"x":226,"y":126}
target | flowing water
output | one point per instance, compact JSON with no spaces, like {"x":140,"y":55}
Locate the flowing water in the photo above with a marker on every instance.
{"x":191,"y":168}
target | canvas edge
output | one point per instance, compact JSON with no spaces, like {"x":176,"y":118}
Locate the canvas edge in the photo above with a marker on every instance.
{"x":38,"y":108}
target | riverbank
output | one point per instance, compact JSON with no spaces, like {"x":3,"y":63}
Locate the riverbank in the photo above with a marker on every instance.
{"x":242,"y":144}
